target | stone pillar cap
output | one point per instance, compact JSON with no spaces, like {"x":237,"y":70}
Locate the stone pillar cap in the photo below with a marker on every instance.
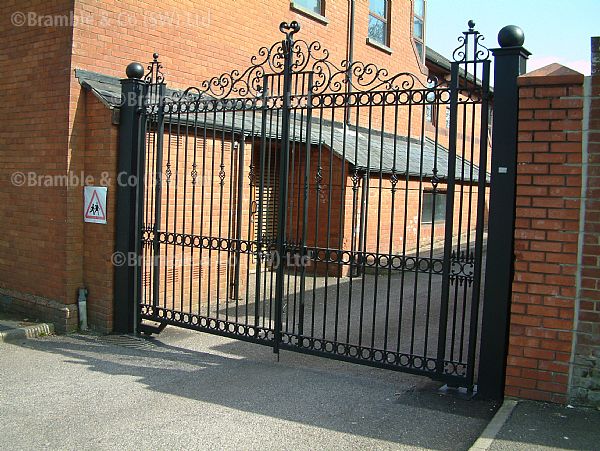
{"x":552,"y":74}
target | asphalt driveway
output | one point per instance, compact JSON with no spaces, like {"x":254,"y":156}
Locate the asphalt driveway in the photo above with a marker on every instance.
{"x":189,"y":390}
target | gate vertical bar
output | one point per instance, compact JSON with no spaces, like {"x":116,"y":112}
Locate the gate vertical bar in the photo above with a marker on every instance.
{"x":128,"y":218}
{"x":261,"y":190}
{"x":140,"y":185}
{"x":160,"y":134}
{"x":238,"y":219}
{"x":305,"y":203}
{"x":449,"y":226}
{"x":481,"y":205}
{"x":510,"y":62}
{"x":287,"y":47}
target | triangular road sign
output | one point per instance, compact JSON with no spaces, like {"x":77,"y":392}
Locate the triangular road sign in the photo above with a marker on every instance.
{"x":95,"y":208}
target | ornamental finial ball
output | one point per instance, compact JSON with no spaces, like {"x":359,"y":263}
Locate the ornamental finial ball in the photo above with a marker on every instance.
{"x":511,"y":36}
{"x":135,"y":70}
{"x":471,"y":24}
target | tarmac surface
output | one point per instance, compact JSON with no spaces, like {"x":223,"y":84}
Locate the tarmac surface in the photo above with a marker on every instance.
{"x":189,"y":390}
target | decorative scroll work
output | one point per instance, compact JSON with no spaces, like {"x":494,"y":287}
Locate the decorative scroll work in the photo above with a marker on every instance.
{"x":463,"y":267}
{"x":250,"y":81}
{"x":154,"y":75}
{"x":351,"y":76}
{"x":471,"y":49}
{"x":304,"y":57}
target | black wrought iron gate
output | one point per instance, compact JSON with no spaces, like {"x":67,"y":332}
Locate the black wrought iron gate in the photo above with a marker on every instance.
{"x":332,"y":210}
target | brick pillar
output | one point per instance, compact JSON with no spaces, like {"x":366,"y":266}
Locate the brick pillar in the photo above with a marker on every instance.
{"x":549,"y":179}
{"x":585,"y":381}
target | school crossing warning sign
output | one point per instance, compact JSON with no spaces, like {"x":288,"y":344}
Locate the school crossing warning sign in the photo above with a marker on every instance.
{"x":94,"y":204}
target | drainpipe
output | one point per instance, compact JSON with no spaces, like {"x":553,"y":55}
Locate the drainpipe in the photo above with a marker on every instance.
{"x":350,"y":52}
{"x":82,"y":306}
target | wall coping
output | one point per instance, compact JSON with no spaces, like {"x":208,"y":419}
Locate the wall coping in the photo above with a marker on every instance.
{"x":552,"y":74}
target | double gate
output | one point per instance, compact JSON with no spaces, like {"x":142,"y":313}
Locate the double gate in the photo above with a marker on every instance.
{"x":336,"y":210}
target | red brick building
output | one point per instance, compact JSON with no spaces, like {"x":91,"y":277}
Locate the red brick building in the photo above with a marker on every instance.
{"x":46,"y":240}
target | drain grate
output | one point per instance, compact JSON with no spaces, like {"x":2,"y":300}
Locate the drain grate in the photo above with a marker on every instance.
{"x":126,"y":341}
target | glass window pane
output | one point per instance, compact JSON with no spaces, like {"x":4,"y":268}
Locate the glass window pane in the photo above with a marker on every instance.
{"x":427,"y":207}
{"x":419,"y":47}
{"x":313,"y":5}
{"x":377,"y":30}
{"x":419,"y":8}
{"x":440,"y":207}
{"x":378,"y":7}
{"x":418,"y":29}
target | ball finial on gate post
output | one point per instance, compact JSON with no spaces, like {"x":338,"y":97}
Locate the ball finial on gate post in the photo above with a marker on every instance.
{"x":511,"y":36}
{"x":134,"y":70}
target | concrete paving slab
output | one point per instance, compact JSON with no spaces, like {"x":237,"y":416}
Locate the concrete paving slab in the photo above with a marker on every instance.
{"x":541,"y":426}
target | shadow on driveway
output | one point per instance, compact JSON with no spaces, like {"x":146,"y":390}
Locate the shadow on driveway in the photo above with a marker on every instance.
{"x":192,"y":377}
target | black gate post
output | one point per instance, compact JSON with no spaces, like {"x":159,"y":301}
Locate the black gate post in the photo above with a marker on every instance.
{"x":287,"y":47}
{"x":510,"y":62}
{"x":131,"y":139}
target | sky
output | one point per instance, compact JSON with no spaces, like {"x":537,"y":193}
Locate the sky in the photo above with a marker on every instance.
{"x":555,"y":30}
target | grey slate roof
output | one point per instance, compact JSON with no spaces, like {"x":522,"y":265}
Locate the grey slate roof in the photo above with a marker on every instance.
{"x":106,"y":88}
{"x":373,"y":150}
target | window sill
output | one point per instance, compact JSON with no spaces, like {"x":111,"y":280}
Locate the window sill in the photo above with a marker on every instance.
{"x":309,"y":13}
{"x":380,"y":46}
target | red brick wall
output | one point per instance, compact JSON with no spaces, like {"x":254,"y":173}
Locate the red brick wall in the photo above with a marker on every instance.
{"x":549,"y":178}
{"x":100,"y":158}
{"x":585,"y":380}
{"x":34,"y":138}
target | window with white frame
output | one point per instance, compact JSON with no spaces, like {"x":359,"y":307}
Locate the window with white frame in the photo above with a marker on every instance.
{"x":315,"y":6}
{"x":379,"y":21}
{"x":419,"y":27}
